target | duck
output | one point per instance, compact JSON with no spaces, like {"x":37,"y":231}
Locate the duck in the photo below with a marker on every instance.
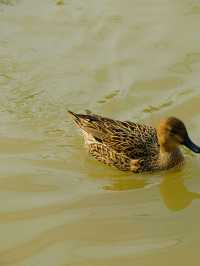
{"x":135,"y":147}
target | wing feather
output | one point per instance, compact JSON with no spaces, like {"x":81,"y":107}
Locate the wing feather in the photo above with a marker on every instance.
{"x":132,"y":139}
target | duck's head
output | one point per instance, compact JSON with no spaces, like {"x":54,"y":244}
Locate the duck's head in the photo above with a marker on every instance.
{"x":171,"y":133}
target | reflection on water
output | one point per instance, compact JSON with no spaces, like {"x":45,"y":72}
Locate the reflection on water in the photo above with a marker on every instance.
{"x":126,"y":184}
{"x":135,"y":61}
{"x":175,"y":194}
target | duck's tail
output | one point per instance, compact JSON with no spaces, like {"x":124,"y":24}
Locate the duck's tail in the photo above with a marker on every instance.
{"x":85,"y":121}
{"x":75,"y":118}
{"x":80,"y":119}
{"x":74,"y":115}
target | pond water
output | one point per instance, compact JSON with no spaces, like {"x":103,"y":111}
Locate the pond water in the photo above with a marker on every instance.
{"x":133,"y":60}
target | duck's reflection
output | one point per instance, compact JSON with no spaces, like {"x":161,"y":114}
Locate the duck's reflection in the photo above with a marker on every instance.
{"x":173,"y":191}
{"x":128,"y":184}
{"x":175,"y":194}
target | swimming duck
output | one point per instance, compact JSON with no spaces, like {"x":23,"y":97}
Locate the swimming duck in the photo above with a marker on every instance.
{"x":134,"y":147}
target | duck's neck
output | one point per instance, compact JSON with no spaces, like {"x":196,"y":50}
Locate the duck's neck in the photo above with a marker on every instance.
{"x":170,"y":158}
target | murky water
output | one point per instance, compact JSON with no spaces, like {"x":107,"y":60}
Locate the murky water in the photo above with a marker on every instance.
{"x":136,"y":60}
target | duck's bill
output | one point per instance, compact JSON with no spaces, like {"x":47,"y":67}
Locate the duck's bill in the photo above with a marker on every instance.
{"x":189,"y":144}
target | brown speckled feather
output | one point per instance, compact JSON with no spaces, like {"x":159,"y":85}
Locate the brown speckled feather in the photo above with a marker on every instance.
{"x":118,"y":143}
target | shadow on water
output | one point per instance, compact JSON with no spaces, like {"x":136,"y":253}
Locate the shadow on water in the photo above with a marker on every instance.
{"x":173,"y":191}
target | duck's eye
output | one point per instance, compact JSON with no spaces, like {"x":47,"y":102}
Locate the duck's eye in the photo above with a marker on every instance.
{"x":173,"y":132}
{"x":173,"y":135}
{"x":177,"y":136}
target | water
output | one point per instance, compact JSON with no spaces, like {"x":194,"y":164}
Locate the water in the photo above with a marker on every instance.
{"x":136,"y":60}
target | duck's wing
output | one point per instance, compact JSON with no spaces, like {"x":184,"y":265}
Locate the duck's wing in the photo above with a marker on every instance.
{"x":132,"y":139}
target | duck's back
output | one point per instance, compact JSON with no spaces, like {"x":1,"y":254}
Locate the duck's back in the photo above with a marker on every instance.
{"x":131,"y":139}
